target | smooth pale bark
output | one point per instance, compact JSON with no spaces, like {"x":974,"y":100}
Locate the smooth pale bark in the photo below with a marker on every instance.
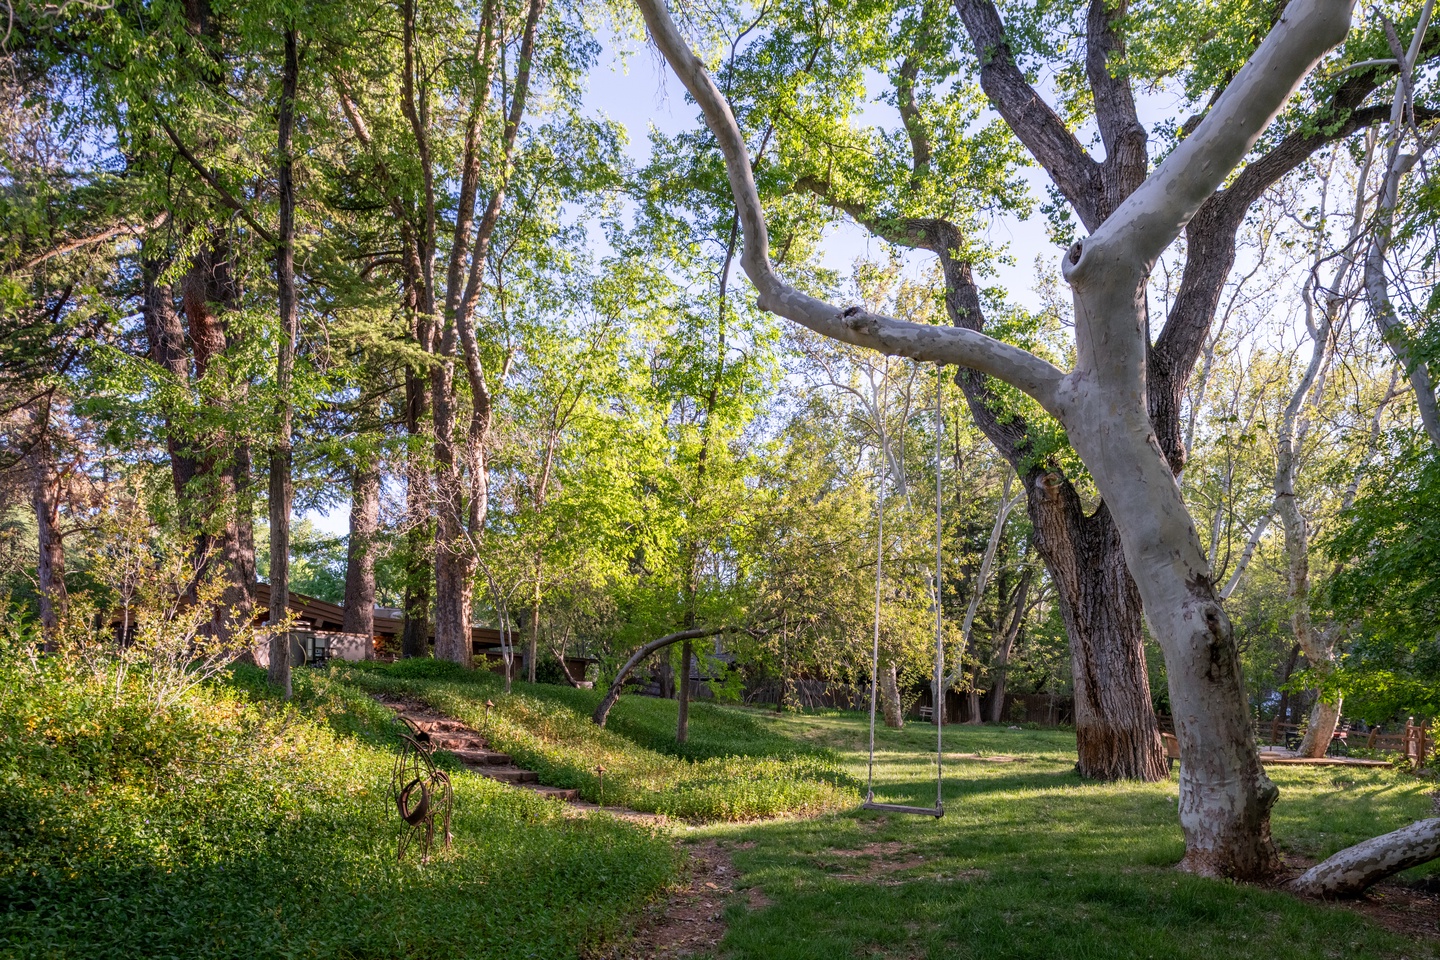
{"x":282,"y":487}
{"x":360,"y":552}
{"x":603,"y":710}
{"x":1353,"y":870}
{"x":1225,"y":798}
{"x":1398,"y":165}
{"x":1080,"y":550}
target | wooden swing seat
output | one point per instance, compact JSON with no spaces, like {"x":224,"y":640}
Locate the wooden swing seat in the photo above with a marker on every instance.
{"x":936,"y":812}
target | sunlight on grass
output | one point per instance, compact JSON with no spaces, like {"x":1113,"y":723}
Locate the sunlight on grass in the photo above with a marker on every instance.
{"x":1029,"y":861}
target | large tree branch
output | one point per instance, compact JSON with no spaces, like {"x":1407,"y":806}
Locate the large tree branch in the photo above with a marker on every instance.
{"x":1352,"y":870}
{"x":1038,"y":126}
{"x":1153,"y":216}
{"x":856,"y":325}
{"x":226,"y":197}
{"x":1126,"y":157}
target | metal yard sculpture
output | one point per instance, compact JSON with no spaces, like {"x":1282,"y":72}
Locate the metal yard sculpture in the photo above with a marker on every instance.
{"x":420,"y":792}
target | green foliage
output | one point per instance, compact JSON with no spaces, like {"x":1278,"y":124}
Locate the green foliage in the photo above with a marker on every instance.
{"x":731,"y":769}
{"x":230,"y":825}
{"x":1389,"y":588}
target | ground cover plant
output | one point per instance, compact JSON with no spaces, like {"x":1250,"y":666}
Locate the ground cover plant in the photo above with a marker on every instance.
{"x":1029,"y":861}
{"x":733,"y":768}
{"x":230,"y":825}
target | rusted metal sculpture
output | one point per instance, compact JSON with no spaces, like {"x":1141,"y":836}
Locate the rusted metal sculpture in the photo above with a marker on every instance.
{"x":420,"y":792}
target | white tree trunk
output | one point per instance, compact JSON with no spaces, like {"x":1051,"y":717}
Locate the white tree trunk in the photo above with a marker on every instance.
{"x":1356,"y":868}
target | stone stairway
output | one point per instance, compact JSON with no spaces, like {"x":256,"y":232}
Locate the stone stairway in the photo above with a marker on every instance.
{"x":470,"y":748}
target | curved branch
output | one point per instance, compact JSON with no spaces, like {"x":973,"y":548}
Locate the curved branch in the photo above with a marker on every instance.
{"x":855,"y":325}
{"x":602,"y":712}
{"x":1038,"y":126}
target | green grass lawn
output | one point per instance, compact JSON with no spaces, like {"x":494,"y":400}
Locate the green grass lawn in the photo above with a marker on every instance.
{"x":233,"y":826}
{"x":734,"y":766}
{"x":1031,"y":862}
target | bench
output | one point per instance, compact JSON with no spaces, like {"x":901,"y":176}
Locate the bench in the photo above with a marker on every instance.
{"x":1172,"y":749}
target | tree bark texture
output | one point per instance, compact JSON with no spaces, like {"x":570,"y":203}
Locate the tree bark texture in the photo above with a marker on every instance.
{"x":50,"y":565}
{"x":1116,"y":734}
{"x":1225,"y":798}
{"x":360,"y":552}
{"x":893,"y":709}
{"x":1353,"y":870}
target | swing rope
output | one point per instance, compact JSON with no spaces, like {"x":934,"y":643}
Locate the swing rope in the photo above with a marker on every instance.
{"x":939,"y":710}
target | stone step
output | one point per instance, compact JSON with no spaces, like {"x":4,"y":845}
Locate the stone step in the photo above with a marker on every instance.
{"x":433,"y":727}
{"x":457,"y":741}
{"x":480,"y":757}
{"x":508,"y":774}
{"x":558,"y":793}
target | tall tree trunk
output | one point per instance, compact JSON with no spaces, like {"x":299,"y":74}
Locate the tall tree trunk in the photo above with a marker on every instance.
{"x":419,"y":568}
{"x":50,"y":566}
{"x":282,"y":487}
{"x":893,"y":711}
{"x":360,"y":552}
{"x":533,"y":646}
{"x":682,"y":692}
{"x":1225,"y":797}
{"x":1116,"y":733}
{"x":220,"y":508}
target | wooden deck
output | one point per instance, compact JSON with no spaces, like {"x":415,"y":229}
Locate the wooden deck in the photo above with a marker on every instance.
{"x":1288,"y":757}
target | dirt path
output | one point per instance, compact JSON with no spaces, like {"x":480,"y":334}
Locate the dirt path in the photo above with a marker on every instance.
{"x":690,"y":922}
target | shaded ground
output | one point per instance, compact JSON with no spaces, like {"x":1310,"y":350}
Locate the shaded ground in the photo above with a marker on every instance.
{"x":1031,"y":862}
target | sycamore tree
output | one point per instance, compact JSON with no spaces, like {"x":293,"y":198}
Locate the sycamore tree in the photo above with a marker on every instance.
{"x":1116,"y":403}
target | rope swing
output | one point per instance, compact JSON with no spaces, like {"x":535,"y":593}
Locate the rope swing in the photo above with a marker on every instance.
{"x":938,"y":810}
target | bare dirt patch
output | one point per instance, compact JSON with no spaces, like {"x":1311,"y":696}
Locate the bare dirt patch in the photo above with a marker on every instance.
{"x":1410,"y":910}
{"x":878,"y":862}
{"x":690,"y":921}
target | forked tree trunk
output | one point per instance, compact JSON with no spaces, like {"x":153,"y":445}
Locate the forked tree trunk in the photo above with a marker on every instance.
{"x":1225,"y":798}
{"x":1000,"y":668}
{"x":360,"y":553}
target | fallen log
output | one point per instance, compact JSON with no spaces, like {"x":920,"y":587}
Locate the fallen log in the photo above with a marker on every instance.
{"x":1353,"y":870}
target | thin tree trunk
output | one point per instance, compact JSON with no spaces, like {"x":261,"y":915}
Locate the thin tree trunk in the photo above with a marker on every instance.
{"x":682,"y":692}
{"x":50,"y":566}
{"x":890,"y":696}
{"x":1000,"y":669}
{"x":282,"y":488}
{"x":531,"y":651}
{"x":360,"y":552}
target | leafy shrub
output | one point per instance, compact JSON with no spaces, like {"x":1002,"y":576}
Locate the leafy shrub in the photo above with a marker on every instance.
{"x":227,"y":824}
